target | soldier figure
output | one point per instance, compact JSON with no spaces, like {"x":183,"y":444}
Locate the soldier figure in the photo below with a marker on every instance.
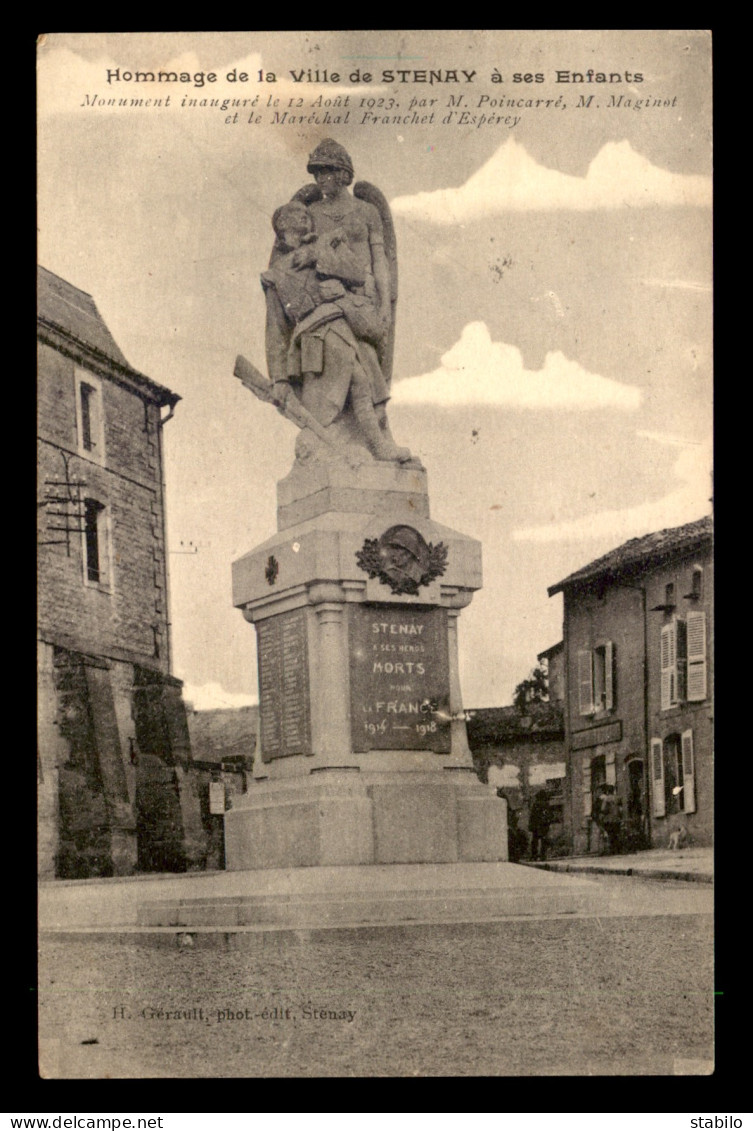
{"x":335,"y":353}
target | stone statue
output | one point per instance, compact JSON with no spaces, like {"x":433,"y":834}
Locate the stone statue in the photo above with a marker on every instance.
{"x":330,"y":290}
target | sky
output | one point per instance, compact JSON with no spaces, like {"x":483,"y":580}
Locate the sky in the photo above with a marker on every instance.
{"x":553,"y":345}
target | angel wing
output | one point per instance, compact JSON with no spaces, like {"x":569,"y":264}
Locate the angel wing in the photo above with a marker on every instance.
{"x":371,"y":194}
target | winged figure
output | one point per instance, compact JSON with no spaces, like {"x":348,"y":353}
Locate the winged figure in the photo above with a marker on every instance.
{"x":331,"y":292}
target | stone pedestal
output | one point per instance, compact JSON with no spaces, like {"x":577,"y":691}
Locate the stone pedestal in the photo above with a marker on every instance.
{"x":363,"y":756}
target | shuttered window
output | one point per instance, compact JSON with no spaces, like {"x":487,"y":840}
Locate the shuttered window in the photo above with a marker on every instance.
{"x":596,"y":679}
{"x":668,"y":665}
{"x":657,"y":778}
{"x":696,"y":653}
{"x":688,"y":772}
{"x":683,"y":661}
{"x":587,"y":798}
{"x":585,"y":683}
{"x":609,"y":676}
{"x":681,"y":644}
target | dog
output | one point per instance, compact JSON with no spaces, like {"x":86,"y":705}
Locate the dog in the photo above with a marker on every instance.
{"x":678,"y":839}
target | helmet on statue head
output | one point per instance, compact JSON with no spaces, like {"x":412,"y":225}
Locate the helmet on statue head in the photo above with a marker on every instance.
{"x":330,"y":154}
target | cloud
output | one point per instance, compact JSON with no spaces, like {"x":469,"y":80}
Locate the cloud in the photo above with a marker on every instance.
{"x":686,"y":503}
{"x":512,"y":181}
{"x":212,"y":696}
{"x":479,"y":371}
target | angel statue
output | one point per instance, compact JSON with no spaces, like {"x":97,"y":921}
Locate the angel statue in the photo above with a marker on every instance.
{"x":331,"y":290}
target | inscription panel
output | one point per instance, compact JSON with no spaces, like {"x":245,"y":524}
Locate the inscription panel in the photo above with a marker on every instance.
{"x":284,"y":701}
{"x":399,"y":678}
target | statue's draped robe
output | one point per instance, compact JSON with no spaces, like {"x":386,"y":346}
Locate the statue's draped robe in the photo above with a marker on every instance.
{"x":325,"y":348}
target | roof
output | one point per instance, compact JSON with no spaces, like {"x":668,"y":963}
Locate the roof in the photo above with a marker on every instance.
{"x":553,"y":651}
{"x":74,"y":313}
{"x":222,"y":734}
{"x":497,"y":725}
{"x":640,"y":554}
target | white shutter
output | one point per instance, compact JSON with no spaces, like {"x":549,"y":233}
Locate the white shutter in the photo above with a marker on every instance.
{"x":611,"y":778}
{"x":681,"y":660}
{"x":609,"y":676}
{"x":657,"y":777}
{"x":688,"y":772}
{"x":668,"y":666}
{"x":697,"y":689}
{"x":587,"y":800}
{"x":585,"y":683}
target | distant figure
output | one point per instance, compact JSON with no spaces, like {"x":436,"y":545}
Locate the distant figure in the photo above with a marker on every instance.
{"x":540,"y":819}
{"x":678,"y":838}
{"x":517,"y":839}
{"x":607,"y":814}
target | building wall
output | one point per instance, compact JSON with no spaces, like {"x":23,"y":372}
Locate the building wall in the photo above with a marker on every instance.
{"x":130,"y":613}
{"x":605,"y":741}
{"x":686,"y":716}
{"x":520,"y":768}
{"x":116,"y":792}
{"x":556,"y":669}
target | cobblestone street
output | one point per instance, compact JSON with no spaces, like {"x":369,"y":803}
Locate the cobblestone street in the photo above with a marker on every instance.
{"x":628,"y":994}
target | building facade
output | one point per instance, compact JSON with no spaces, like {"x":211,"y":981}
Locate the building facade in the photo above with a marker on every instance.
{"x":115,"y":788}
{"x":522,"y":753}
{"x":638,"y":654}
{"x":223,"y":741}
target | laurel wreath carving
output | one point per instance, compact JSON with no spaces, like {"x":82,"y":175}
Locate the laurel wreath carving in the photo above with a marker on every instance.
{"x":370,"y":560}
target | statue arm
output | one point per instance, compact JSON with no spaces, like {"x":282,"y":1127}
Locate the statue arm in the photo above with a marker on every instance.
{"x":381,"y":272}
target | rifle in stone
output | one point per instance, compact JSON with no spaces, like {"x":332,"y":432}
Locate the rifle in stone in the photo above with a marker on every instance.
{"x":291,"y":407}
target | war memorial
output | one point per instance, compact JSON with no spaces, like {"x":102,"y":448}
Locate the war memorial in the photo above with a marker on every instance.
{"x":364,"y":808}
{"x":364,"y":788}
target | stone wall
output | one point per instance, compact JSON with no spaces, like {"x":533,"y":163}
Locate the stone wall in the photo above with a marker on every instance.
{"x":127,"y":611}
{"x":686,"y":717}
{"x":603,"y":742}
{"x":116,"y":789}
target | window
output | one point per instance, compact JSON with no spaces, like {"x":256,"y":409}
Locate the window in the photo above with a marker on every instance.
{"x":696,"y":641}
{"x":673,"y":663}
{"x":696,"y":584}
{"x":89,"y":416}
{"x":596,"y":684}
{"x":673,"y":774}
{"x":657,"y":778}
{"x":687,"y":768}
{"x":96,"y":544}
{"x":683,"y":660}
{"x":87,"y":393}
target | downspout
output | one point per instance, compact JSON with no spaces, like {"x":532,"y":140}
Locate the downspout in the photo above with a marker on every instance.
{"x":566,"y":720}
{"x":162,"y":421}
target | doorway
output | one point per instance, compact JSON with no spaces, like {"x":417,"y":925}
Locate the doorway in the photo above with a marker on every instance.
{"x":637,"y":807}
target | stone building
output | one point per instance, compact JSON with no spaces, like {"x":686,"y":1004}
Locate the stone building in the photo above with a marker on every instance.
{"x":115,"y":791}
{"x":639,"y":691}
{"x":521,"y":753}
{"x":223,"y":741}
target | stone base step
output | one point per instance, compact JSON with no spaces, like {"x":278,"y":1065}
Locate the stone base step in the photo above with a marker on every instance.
{"x":309,"y":897}
{"x":384,"y":896}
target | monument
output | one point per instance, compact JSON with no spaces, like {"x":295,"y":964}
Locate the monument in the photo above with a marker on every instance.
{"x":363,"y":757}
